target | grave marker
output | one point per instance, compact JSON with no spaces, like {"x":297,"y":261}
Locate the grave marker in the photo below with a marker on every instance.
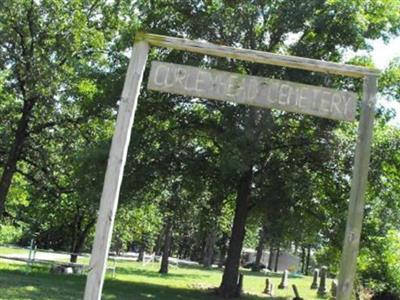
{"x":266,"y":290}
{"x":269,"y":287}
{"x":239,"y":287}
{"x":284,"y":280}
{"x":314,"y":284}
{"x":334,"y":288}
{"x":296,"y":293}
{"x":322,"y":290}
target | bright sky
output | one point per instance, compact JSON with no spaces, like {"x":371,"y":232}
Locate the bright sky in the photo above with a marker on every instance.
{"x":382,"y":55}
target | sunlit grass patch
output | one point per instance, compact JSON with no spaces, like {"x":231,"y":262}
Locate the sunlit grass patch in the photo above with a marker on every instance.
{"x":136,"y":281}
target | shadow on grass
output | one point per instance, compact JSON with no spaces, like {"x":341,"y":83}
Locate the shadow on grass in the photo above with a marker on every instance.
{"x":116,"y":289}
{"x":269,"y":274}
{"x":155,"y":274}
{"x":38,"y":283}
{"x":188,"y":267}
{"x":200,"y":268}
{"x":16,"y":284}
{"x":260,"y":274}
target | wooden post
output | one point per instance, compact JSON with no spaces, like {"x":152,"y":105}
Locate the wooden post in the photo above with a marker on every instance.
{"x":358,"y":187}
{"x":255,"y":56}
{"x":115,"y":168}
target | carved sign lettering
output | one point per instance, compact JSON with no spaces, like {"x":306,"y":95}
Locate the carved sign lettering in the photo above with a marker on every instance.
{"x":252,"y":90}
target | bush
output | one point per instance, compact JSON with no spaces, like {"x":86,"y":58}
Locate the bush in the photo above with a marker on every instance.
{"x":330,"y":257}
{"x":379,"y":266}
{"x":10,"y":234}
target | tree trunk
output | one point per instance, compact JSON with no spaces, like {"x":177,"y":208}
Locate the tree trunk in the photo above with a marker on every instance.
{"x":75,"y":232}
{"x":73,"y":258}
{"x":208,"y":251}
{"x":278,"y":252}
{"x":77,"y":248}
{"x":210,"y":219}
{"x":14,"y":155}
{"x":158,"y":245}
{"x":271,"y":257}
{"x":167,"y":247}
{"x":187,"y":253}
{"x":181,"y":248}
{"x":260,"y":248}
{"x":228,"y":285}
{"x":303,"y":260}
{"x":141,"y":252}
{"x":80,"y":241}
{"x":307,"y":268}
{"x":222,"y":254}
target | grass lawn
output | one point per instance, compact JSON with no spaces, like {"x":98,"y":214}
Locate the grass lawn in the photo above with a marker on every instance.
{"x":11,"y":250}
{"x":134,"y":281}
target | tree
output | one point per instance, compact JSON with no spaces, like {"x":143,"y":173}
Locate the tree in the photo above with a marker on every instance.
{"x":48,"y":49}
{"x":137,"y":222}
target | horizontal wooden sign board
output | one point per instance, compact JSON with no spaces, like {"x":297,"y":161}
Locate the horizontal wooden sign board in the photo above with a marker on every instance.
{"x":252,"y":90}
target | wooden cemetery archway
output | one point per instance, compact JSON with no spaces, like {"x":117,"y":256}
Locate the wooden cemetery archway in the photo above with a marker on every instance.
{"x":283,"y":95}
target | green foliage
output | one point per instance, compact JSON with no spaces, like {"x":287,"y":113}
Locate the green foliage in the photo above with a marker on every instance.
{"x":252,"y":235}
{"x":330,"y":257}
{"x":389,"y":82}
{"x":139,"y":224}
{"x":10,"y":233}
{"x":380,"y":266}
{"x":62,"y":60}
{"x":19,"y":195}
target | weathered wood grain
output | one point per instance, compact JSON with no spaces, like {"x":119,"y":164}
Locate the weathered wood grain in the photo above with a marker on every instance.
{"x":358,"y":187}
{"x":114,"y":173}
{"x":208,"y":48}
{"x":252,"y":90}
